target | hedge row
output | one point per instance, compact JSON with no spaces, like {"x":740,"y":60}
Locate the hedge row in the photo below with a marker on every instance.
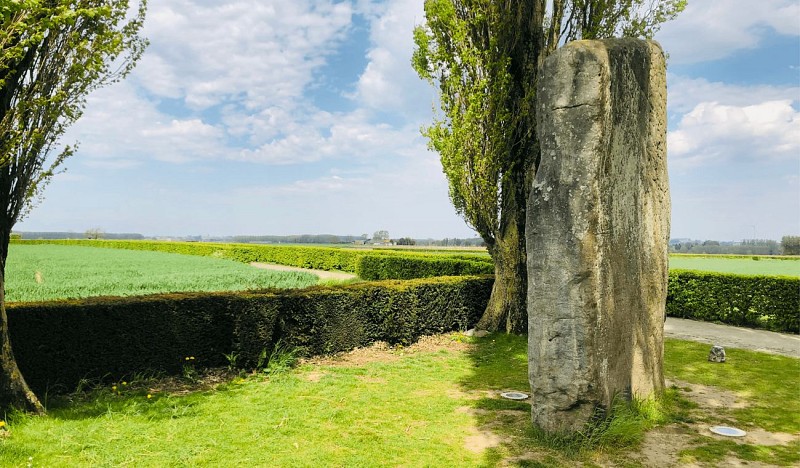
{"x":771,"y":302}
{"x":386,"y":267}
{"x":368,"y":264}
{"x":59,"y":343}
{"x":321,"y":258}
{"x":736,"y":256}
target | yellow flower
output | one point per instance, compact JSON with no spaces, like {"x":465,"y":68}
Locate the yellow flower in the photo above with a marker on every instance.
{"x":2,"y":424}
{"x":114,"y":388}
{"x":124,"y":383}
{"x":149,"y":396}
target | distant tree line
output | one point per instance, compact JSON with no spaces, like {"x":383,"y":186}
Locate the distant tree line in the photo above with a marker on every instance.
{"x":453,"y":242}
{"x":296,"y":239}
{"x":789,"y":245}
{"x":90,"y":234}
{"x":97,"y":233}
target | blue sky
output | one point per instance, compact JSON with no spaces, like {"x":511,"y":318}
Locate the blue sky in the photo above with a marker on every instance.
{"x":303,"y":116}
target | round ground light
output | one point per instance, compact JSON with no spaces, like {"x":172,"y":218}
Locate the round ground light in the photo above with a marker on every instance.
{"x":728,"y":431}
{"x":514,"y":395}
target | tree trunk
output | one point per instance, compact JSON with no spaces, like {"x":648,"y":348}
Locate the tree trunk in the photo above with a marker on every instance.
{"x":14,"y":391}
{"x":506,"y":310}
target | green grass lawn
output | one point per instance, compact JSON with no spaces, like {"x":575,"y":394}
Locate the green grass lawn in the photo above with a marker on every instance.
{"x":430,"y":405}
{"x":46,"y":272}
{"x":742,"y":266}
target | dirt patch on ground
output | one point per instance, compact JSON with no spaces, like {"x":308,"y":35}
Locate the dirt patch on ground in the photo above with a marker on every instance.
{"x":383,"y":352}
{"x":661,"y":446}
{"x":322,"y":274}
{"x":314,"y":376}
{"x":377,"y":352}
{"x":482,"y":440}
{"x":710,"y":397}
{"x":759,"y":436}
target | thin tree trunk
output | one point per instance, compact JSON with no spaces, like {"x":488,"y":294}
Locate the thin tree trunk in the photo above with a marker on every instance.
{"x":14,"y":391}
{"x":506,"y":310}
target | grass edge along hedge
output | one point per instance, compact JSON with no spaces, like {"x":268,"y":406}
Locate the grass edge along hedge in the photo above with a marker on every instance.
{"x":59,"y":344}
{"x":755,"y":301}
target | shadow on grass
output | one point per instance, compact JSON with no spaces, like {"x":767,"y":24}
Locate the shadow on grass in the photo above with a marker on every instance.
{"x":500,"y":364}
{"x":153,"y":398}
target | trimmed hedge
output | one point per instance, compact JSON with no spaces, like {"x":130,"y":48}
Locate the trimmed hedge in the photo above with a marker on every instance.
{"x":57,"y":344}
{"x":368,"y":264}
{"x":771,"y":302}
{"x":396,"y":267}
{"x":321,"y":258}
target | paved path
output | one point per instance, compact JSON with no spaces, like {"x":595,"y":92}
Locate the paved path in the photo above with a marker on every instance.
{"x":734,"y":337}
{"x":322,"y":274}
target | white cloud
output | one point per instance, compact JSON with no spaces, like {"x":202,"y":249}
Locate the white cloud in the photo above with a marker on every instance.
{"x":249,"y":52}
{"x":712,"y":132}
{"x":710,"y":30}
{"x":246,"y":66}
{"x":352,"y":137}
{"x":120,"y":129}
{"x":389,"y":82}
{"x":685,"y":93}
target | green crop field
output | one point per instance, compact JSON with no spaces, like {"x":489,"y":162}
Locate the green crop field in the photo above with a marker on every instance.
{"x":47,"y":272}
{"x":742,"y":266}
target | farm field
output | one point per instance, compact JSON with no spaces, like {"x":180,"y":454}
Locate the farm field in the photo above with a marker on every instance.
{"x":433,"y":404}
{"x":742,"y":266}
{"x":47,"y":272}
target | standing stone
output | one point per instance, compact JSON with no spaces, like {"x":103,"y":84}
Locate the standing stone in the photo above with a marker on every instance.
{"x":597,"y":231}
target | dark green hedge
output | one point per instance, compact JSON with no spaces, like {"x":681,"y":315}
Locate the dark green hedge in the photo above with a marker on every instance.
{"x":59,"y":343}
{"x":403,"y":267}
{"x":771,"y":302}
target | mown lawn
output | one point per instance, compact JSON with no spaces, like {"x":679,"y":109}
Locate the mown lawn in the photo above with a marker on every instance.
{"x":47,"y":272}
{"x":434,"y":404}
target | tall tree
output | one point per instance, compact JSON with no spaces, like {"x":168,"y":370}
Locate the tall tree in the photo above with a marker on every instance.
{"x":485,"y":57}
{"x":53,"y":53}
{"x":790,"y":245}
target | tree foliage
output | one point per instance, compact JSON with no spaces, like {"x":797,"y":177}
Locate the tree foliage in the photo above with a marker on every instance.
{"x":53,"y":53}
{"x":484,"y":55}
{"x":791,"y":245}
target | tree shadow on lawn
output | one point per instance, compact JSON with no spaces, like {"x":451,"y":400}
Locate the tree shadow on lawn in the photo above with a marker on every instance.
{"x":499,"y":364}
{"x":504,"y":428}
{"x":155,"y":397}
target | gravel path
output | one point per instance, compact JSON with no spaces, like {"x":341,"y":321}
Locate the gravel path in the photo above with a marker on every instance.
{"x":322,"y":274}
{"x":734,"y":337}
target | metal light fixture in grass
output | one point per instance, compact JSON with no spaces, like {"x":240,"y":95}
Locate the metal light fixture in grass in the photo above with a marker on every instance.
{"x":727,"y":431}
{"x":514,"y":395}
